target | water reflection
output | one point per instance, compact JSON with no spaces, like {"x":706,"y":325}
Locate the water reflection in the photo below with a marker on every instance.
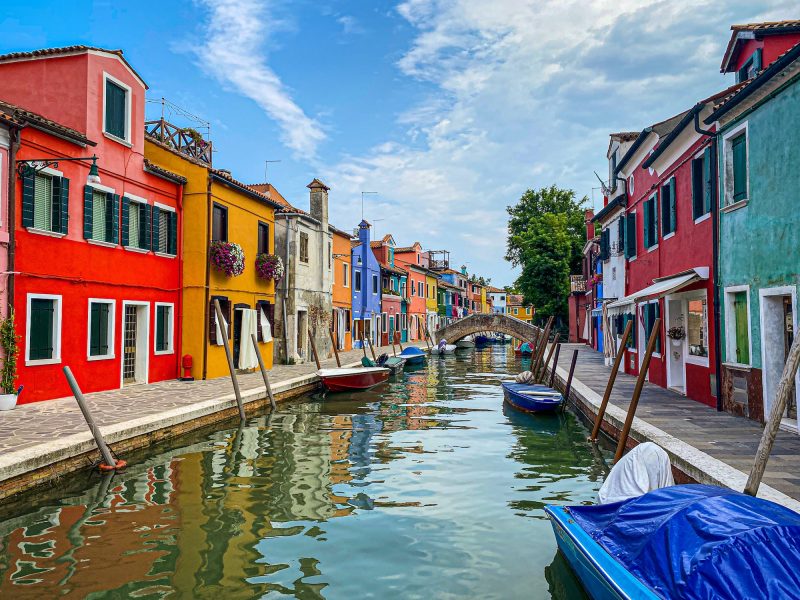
{"x":426,"y":488}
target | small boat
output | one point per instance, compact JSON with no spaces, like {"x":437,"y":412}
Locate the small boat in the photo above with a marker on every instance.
{"x":443,"y":349}
{"x":465,"y":343}
{"x":481,"y":341}
{"x":413,"y":355}
{"x":352,"y":379}
{"x":524,"y":349}
{"x":684,"y":541}
{"x":395,"y":364}
{"x":532,"y":398}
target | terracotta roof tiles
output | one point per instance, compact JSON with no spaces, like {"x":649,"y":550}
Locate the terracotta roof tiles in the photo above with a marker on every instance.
{"x":36,"y":120}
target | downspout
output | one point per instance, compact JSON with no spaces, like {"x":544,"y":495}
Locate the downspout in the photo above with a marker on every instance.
{"x":179,"y":353}
{"x":12,"y":212}
{"x":715,"y":259}
{"x":286,"y":292}
{"x":206,"y":309}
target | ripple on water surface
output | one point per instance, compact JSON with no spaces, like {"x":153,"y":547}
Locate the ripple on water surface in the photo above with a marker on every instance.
{"x":425,"y":487}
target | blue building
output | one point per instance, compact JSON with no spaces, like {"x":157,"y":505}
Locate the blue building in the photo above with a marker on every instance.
{"x":366,"y":289}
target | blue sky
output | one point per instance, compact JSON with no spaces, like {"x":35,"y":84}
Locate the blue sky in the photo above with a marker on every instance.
{"x":448,"y":109}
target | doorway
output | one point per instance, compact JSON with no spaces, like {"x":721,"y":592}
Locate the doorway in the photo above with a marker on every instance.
{"x":676,"y":348}
{"x":135,"y":328}
{"x":302,"y":332}
{"x":778,"y":326}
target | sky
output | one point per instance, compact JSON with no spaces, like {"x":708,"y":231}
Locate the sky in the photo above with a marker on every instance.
{"x":449,"y":110}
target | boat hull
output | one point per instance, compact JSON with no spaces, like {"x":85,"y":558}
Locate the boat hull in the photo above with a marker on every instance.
{"x":464,"y":344}
{"x":413,"y":356}
{"x":530,"y":403}
{"x":395,"y":364}
{"x":602,"y":577}
{"x":352,"y":382}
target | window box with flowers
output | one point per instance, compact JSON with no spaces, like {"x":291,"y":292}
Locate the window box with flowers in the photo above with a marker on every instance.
{"x":228,"y":257}
{"x":269,"y":266}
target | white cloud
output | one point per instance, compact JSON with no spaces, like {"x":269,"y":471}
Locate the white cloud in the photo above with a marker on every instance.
{"x":232,"y":52}
{"x":524,"y":94}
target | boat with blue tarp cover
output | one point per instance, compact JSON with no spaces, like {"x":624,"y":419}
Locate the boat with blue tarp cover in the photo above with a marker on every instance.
{"x":413,"y":355}
{"x":532,"y":398}
{"x":684,"y":541}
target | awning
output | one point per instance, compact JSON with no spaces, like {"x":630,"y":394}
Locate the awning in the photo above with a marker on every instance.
{"x":663,"y":285}
{"x":597,"y":312}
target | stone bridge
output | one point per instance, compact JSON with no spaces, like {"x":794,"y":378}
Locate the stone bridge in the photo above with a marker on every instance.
{"x":480,"y":323}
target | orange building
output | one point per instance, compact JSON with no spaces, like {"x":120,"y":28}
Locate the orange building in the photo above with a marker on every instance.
{"x":341,"y":294}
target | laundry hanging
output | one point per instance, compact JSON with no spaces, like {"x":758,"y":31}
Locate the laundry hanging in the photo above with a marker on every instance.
{"x":265,"y":327}
{"x":220,"y":340}
{"x":247,"y":353}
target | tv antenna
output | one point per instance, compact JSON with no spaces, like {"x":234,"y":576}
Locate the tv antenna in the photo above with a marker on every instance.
{"x":266,"y":168}
{"x":362,"y":202}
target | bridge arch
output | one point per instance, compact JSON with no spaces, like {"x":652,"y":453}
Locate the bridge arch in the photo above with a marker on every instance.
{"x":480,"y":323}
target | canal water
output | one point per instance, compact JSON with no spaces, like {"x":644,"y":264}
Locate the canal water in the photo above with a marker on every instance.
{"x":426,"y":487}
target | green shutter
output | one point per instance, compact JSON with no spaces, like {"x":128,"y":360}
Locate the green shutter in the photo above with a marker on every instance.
{"x":161,"y":328}
{"x":630,"y":236}
{"x":673,"y":209}
{"x":757,"y":61}
{"x":41,"y":328}
{"x":708,"y":169}
{"x":742,"y":328}
{"x":27,"y":199}
{"x":654,"y":231}
{"x":126,"y":210}
{"x":114,"y":199}
{"x":172,"y":241}
{"x":665,"y":221}
{"x":621,"y":235}
{"x":156,"y":225}
{"x":88,"y":212}
{"x":144,"y":224}
{"x":115,"y":109}
{"x":63,"y":205}
{"x":739,"y":149}
{"x":647,"y":222}
{"x":98,"y":329}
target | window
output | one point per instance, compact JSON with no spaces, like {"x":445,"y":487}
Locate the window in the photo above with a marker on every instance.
{"x":384,"y":322}
{"x":43,"y":343}
{"x":385,"y":283}
{"x":374,"y":284}
{"x":101,"y":215}
{"x":650,"y":312}
{"x":101,"y":329}
{"x":218,"y":331}
{"x":347,"y":320}
{"x":303,"y":247}
{"x":263,"y":238}
{"x":668,"y":214}
{"x":116,"y":107}
{"x":345,"y":272}
{"x":739,"y":155}
{"x":650,"y":222}
{"x":697,"y":330}
{"x":420,"y":289}
{"x":357,"y":281}
{"x":701,"y":184}
{"x":330,"y":255}
{"x":738,"y":326}
{"x":413,"y":289}
{"x":750,"y":68}
{"x":219,"y":224}
{"x":45,"y":201}
{"x":164,"y":328}
{"x":165,"y":231}
{"x":630,"y":236}
{"x":136,"y":215}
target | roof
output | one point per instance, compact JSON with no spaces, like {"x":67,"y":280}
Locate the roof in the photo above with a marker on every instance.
{"x":163,"y":173}
{"x":617,"y":202}
{"x":757,"y":30}
{"x":337,"y":231}
{"x":269,"y":190}
{"x":514,"y":299}
{"x":411,"y":248}
{"x":66,"y":51}
{"x":750,"y":86}
{"x":688,"y":117}
{"x":227,"y":178}
{"x":447,"y":284}
{"x":625,"y":136}
{"x":316,"y":183}
{"x":493,"y":290}
{"x":391,"y":269}
{"x":660,"y":128}
{"x":21,"y":115}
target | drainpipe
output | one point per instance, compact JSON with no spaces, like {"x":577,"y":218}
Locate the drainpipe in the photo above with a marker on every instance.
{"x":286,"y":292}
{"x":715,"y":259}
{"x":179,"y":316}
{"x":206,"y":316}
{"x":13,"y":146}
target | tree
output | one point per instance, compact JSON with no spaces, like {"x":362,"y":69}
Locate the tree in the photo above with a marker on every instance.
{"x":546,"y":235}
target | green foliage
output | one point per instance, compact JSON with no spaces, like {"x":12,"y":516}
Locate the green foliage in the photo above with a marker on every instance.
{"x":546,"y":235}
{"x":9,"y":341}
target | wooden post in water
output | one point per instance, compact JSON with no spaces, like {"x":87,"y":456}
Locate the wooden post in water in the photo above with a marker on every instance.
{"x":568,"y":386}
{"x":539,"y":353}
{"x":785,"y":388}
{"x":610,"y":385}
{"x":223,"y":327}
{"x":372,"y":350}
{"x":264,"y":375}
{"x":335,"y":349}
{"x":637,"y":391}
{"x":394,"y":350}
{"x":108,"y":459}
{"x":555,"y":364}
{"x":314,"y":349}
{"x":399,"y":343}
{"x":543,"y":370}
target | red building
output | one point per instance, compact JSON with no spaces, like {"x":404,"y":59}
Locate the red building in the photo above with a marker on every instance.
{"x":97,"y":251}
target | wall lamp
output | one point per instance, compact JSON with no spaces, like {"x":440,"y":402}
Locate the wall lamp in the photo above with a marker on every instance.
{"x":27,"y":168}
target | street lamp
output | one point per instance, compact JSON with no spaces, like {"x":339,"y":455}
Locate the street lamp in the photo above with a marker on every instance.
{"x":26,"y":168}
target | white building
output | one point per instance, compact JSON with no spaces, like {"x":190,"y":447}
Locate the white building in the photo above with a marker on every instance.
{"x":498,"y":296}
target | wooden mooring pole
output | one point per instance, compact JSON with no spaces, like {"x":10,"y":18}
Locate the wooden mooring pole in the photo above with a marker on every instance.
{"x":105,"y":452}
{"x":568,"y":386}
{"x":314,"y":349}
{"x":785,"y":388}
{"x":543,"y":370}
{"x":223,"y":327}
{"x":264,"y":375}
{"x":610,"y":385}
{"x":555,"y":364}
{"x":335,"y":349}
{"x":542,"y":345}
{"x":637,"y":391}
{"x":372,"y":351}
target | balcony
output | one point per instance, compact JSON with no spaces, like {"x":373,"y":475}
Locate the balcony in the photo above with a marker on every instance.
{"x":577,"y":284}
{"x":185,"y":140}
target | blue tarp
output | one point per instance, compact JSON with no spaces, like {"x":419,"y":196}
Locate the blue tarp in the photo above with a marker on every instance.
{"x":699,"y":541}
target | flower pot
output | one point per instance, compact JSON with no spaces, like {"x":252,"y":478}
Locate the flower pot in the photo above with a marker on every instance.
{"x":8,"y":401}
{"x":677,"y":343}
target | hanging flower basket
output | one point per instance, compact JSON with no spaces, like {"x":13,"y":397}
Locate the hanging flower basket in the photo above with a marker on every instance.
{"x":228,"y":257}
{"x":676,"y":333}
{"x":269,"y":266}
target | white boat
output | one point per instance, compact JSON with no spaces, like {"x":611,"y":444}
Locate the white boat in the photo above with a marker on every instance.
{"x":466,"y":342}
{"x":446,"y":349}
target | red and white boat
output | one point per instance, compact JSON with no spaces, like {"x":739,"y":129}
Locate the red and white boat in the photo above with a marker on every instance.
{"x":352,"y":380}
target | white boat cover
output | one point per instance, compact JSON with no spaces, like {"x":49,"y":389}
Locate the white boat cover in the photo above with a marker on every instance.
{"x":335,"y":372}
{"x":643,"y":469}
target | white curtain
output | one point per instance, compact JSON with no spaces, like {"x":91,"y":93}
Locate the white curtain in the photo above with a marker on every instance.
{"x":221,"y":340}
{"x":266,"y":328}
{"x":247,"y":353}
{"x":340,"y":327}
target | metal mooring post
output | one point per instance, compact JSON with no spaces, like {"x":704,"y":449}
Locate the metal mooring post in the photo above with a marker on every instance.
{"x":223,"y":327}
{"x":263,"y":370}
{"x":108,"y":459}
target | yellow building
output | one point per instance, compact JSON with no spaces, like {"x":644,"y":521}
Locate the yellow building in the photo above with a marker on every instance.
{"x":516,"y":309}
{"x":485,"y":308}
{"x":432,"y":300}
{"x":216,"y":207}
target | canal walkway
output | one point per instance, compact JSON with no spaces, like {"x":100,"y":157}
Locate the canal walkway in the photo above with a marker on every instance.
{"x":721,"y":436}
{"x":35,"y":437}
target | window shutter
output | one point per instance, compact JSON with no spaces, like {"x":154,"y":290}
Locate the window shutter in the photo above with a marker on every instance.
{"x":60,"y":204}
{"x":88,"y":204}
{"x":27,"y":199}
{"x":41,"y":328}
{"x":630,"y":235}
{"x":161,"y":328}
{"x":708,"y":169}
{"x":757,"y":60}
{"x":156,"y":224}
{"x":654,"y":232}
{"x":673,"y":209}
{"x":114,"y":199}
{"x":739,"y":168}
{"x":621,"y":235}
{"x":172,"y":241}
{"x":126,"y":215}
{"x":647,"y":222}
{"x":144,"y":224}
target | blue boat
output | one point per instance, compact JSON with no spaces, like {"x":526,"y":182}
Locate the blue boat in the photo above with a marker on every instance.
{"x":413,"y":356}
{"x":481,"y":341}
{"x":532,"y":398}
{"x":683,"y":541}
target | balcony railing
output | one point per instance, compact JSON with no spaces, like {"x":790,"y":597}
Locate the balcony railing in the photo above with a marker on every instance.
{"x":577,"y":284}
{"x":185,"y":140}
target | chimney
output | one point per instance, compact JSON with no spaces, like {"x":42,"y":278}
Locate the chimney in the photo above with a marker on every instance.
{"x":319,"y":202}
{"x":363,"y":232}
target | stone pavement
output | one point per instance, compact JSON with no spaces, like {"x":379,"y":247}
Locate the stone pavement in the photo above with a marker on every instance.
{"x":730,"y":439}
{"x":41,"y":433}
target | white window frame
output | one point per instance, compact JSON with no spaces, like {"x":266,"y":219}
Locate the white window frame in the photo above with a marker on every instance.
{"x":171,"y":328}
{"x":730,"y":325}
{"x":141,"y":345}
{"x":56,"y":331}
{"x":111,"y":328}
{"x":727,"y":167}
{"x":128,"y":105}
{"x":141,"y":202}
{"x":358,"y":287}
{"x":691,"y":359}
{"x":154,"y":243}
